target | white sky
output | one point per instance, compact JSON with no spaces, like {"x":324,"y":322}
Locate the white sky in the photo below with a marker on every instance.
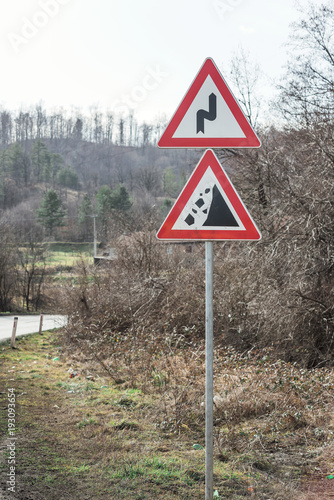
{"x":139,"y":54}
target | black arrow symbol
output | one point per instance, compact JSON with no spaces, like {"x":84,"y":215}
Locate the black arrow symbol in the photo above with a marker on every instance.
{"x":202,"y":114}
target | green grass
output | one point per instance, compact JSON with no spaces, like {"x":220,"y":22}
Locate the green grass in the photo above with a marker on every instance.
{"x":67,"y":247}
{"x":85,"y":422}
{"x":67,"y":254}
{"x":65,"y":259}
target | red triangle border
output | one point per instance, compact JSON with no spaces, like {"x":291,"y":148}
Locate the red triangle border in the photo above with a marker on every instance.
{"x":249,"y":141}
{"x":250,"y":232}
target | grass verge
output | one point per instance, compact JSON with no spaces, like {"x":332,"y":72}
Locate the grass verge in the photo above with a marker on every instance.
{"x":83,"y":435}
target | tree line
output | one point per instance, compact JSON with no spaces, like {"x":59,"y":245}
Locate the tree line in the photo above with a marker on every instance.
{"x":100,"y":127}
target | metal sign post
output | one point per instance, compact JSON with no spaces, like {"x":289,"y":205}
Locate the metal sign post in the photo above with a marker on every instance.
{"x":94,"y":234}
{"x":209,"y":370}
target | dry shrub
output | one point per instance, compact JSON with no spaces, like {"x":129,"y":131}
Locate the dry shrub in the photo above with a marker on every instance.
{"x":181,"y":379}
{"x":273,"y":294}
{"x":150,"y":290}
{"x":141,"y":252}
{"x":290,"y":400}
{"x":257,"y":302}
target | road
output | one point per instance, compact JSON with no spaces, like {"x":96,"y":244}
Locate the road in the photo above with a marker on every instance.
{"x":29,"y":324}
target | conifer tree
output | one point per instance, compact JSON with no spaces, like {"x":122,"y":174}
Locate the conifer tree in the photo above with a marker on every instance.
{"x":51,"y":213}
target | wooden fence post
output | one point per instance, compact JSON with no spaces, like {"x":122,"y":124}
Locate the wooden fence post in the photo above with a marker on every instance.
{"x":41,"y":323}
{"x":12,"y":342}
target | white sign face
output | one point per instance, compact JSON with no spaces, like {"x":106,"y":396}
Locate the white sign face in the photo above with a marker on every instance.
{"x":208,"y":208}
{"x":197,"y":124}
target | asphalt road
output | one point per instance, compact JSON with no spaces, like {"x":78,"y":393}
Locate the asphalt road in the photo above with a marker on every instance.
{"x":29,"y":324}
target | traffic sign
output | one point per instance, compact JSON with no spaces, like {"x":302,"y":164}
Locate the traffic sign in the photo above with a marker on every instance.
{"x":208,"y":208}
{"x":209,"y":116}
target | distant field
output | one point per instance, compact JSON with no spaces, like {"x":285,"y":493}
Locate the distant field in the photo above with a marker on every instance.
{"x":67,"y":254}
{"x":70,"y":247}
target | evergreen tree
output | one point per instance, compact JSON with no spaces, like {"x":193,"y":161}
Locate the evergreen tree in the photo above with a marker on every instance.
{"x":17,"y":163}
{"x":171,"y":186}
{"x":67,"y":177}
{"x":120,"y":199}
{"x":51,"y":213}
{"x":104,"y":207}
{"x":85,"y":209}
{"x":41,"y":161}
{"x":111,"y":199}
{"x":77,"y":129}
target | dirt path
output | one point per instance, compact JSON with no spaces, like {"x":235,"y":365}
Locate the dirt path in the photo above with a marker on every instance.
{"x":320,"y":486}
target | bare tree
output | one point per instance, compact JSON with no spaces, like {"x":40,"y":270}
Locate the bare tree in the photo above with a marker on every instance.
{"x":244,"y":76}
{"x":32,"y":258}
{"x":8,"y":269}
{"x":309,"y":91}
{"x":149,"y":179}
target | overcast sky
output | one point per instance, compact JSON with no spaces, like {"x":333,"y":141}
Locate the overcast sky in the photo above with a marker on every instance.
{"x":132,"y":54}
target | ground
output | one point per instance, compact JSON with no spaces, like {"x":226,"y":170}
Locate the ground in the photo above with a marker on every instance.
{"x":81,"y":435}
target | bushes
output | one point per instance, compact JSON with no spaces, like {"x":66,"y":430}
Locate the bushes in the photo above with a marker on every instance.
{"x":261,"y":298}
{"x":142,"y":289}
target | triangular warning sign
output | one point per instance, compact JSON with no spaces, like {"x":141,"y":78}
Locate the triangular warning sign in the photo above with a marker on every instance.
{"x":209,"y":116}
{"x":209,"y":208}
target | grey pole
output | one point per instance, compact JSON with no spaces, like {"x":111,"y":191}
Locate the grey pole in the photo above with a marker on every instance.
{"x":95,"y":237}
{"x":209,"y":370}
{"x":95,"y":244}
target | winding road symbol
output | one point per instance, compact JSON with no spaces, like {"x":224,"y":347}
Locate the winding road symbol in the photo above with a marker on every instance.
{"x":210,"y":115}
{"x":209,"y":99}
